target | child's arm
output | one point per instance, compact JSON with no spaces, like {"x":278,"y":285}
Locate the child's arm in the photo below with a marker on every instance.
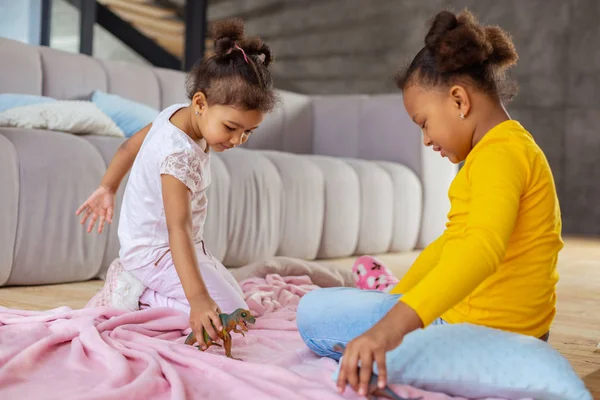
{"x":123,"y":160}
{"x":178,"y":213}
{"x":497,"y":177}
{"x":424,"y":263}
{"x":101,"y":202}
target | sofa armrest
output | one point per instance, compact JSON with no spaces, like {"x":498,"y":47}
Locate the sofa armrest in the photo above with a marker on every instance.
{"x":9,"y":205}
{"x":56,"y":172}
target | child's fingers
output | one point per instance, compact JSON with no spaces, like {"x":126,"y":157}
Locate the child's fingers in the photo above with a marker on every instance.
{"x":101,"y":224}
{"x":81,"y":208}
{"x":348,"y":371}
{"x":352,"y":369}
{"x":92,"y":222}
{"x":216,"y":320}
{"x":210,"y":329}
{"x":200,"y":338}
{"x":366,"y":368}
{"x":109,"y":214}
{"x":381,"y":369}
{"x":85,"y":216}
{"x":341,"y":382}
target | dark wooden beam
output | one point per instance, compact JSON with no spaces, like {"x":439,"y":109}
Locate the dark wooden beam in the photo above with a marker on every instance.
{"x":195,"y":31}
{"x":87,"y":18}
{"x":46,"y":19}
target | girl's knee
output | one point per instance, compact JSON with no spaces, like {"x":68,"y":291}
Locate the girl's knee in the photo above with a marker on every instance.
{"x":311,"y":312}
{"x":318,"y":307}
{"x":323,"y":312}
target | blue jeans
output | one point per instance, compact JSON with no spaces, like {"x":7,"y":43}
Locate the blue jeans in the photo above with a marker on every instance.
{"x":337,"y":315}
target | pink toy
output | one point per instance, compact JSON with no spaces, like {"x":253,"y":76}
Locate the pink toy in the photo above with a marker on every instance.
{"x":370,"y":274}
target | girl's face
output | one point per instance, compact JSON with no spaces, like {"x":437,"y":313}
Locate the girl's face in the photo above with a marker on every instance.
{"x":226,"y":127}
{"x":438,"y":114}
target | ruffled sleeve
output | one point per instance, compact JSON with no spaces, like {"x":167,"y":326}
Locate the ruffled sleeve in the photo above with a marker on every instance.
{"x":186,"y":166}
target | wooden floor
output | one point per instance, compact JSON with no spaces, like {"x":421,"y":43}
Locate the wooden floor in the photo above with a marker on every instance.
{"x":575,"y":333}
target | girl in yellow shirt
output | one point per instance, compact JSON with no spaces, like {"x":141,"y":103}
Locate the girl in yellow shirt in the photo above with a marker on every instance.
{"x":495,"y":264}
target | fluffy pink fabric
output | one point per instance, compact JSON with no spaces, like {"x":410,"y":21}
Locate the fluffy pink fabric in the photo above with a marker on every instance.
{"x":104,"y":353}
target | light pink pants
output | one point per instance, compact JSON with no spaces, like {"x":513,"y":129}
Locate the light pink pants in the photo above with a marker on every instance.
{"x":164,"y":289}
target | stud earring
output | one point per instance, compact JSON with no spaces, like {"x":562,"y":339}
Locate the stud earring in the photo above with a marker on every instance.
{"x":197,"y":113}
{"x":462,"y":115}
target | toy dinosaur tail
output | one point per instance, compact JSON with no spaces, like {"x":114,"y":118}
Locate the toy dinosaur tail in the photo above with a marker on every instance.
{"x":191,"y":339}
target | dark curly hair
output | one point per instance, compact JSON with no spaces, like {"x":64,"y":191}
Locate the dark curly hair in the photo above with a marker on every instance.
{"x":458,"y":47}
{"x":237,"y":74}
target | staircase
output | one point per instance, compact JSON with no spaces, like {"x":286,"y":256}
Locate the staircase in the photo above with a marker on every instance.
{"x":172,"y":33}
{"x":155,"y":29}
{"x":160,"y":21}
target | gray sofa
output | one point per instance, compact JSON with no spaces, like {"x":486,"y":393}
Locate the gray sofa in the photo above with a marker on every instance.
{"x":324,"y":177}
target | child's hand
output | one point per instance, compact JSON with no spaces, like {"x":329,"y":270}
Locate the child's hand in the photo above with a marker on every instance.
{"x":100,"y":204}
{"x":372,"y":345}
{"x":204,"y":313}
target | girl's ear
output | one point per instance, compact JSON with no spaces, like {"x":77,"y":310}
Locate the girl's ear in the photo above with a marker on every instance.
{"x":461,"y":100}
{"x":199,"y":102}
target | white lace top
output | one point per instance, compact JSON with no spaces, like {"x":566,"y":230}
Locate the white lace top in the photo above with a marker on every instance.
{"x":166,"y":149}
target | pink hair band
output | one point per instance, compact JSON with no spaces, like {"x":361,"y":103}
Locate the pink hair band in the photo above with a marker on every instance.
{"x":243,"y":52}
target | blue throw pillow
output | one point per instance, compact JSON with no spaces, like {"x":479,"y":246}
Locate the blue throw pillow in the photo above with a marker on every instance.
{"x":129,"y":115}
{"x":478,"y":362}
{"x":12,"y":100}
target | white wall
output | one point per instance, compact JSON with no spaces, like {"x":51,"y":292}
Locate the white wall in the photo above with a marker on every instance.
{"x":21,"y":20}
{"x":64,"y":35}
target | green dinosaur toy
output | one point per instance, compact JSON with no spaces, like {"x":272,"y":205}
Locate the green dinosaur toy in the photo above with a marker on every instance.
{"x":373,"y":391}
{"x":239,"y":317}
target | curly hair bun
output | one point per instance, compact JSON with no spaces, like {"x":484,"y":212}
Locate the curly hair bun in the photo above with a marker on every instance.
{"x":459,"y":42}
{"x":229,"y":33}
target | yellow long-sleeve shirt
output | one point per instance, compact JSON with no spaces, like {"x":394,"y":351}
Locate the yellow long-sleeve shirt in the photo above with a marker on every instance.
{"x":495,"y":264}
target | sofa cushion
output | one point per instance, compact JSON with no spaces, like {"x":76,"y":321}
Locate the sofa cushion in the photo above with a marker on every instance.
{"x":288,"y":128}
{"x":23,"y":74}
{"x":341,"y":221}
{"x":134,"y":82}
{"x":172,"y":87}
{"x":378,"y":128}
{"x":336,"y":122}
{"x":407,"y":206}
{"x":217,"y":218}
{"x":255,"y":194}
{"x":57,"y":172}
{"x":70,"y":76}
{"x":376,"y":198}
{"x":302,"y":205}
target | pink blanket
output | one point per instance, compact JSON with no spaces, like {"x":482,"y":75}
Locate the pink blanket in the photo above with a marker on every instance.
{"x":104,"y":353}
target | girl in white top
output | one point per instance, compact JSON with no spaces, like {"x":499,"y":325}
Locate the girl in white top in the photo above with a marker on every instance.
{"x":164,"y":206}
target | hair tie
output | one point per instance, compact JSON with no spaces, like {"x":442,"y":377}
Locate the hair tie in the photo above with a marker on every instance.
{"x":243,"y":52}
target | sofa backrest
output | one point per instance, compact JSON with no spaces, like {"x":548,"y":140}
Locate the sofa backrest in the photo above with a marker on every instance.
{"x":361,"y":126}
{"x":62,"y":75}
{"x":370,"y":127}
